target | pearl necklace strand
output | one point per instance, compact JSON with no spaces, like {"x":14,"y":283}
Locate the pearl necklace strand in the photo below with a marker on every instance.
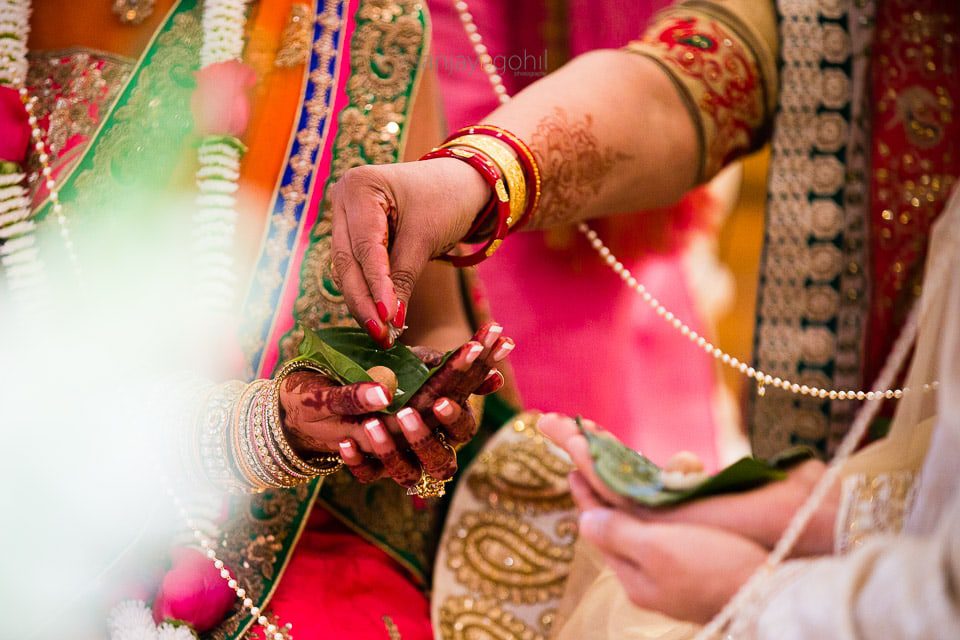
{"x":273,"y":629}
{"x":19,"y":253}
{"x":762,"y":378}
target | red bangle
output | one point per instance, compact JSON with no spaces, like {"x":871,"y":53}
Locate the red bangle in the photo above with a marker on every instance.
{"x":528,"y":161}
{"x":501,"y":200}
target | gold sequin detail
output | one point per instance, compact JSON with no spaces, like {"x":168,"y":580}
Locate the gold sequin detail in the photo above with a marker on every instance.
{"x":873,"y":505}
{"x":499,"y":555}
{"x":384,"y":54}
{"x":522,"y":478}
{"x":468,"y":618}
{"x":296,"y":38}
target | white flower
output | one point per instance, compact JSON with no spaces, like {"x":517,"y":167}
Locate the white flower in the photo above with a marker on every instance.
{"x":169,"y":632}
{"x":131,"y":620}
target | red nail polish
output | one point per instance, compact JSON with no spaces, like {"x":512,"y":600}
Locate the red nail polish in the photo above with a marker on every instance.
{"x":382,"y":310}
{"x":400,"y":321}
{"x":375,"y":330}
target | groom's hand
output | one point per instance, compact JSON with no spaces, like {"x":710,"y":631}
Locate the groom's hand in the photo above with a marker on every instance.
{"x":761,"y":514}
{"x":686,"y":571}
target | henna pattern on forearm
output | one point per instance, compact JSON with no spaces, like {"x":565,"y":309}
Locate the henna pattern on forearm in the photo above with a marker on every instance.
{"x":573,"y":165}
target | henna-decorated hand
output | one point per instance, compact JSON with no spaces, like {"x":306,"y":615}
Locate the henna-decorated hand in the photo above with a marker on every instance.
{"x":422,"y":208}
{"x":437,"y":414}
{"x":319,"y":413}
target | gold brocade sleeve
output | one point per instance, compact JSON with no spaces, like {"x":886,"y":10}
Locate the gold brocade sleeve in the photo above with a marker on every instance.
{"x":722,"y":57}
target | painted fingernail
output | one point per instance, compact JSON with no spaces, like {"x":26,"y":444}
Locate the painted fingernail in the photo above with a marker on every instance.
{"x":473,"y":352}
{"x":408,"y":420}
{"x":373,"y":328}
{"x":400,"y":320}
{"x":376,"y":431}
{"x":346,"y":449}
{"x":376,"y":396}
{"x":444,"y":408}
{"x":593,"y":522}
{"x":504,"y":350}
{"x":492,"y":334}
{"x":382,"y":310}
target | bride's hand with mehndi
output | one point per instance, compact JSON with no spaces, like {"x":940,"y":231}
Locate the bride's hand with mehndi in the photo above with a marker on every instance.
{"x":760,"y":514}
{"x":421,"y":209}
{"x":321,"y":416}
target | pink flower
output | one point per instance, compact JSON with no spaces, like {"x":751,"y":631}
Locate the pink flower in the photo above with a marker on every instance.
{"x":193,"y":591}
{"x":221,"y":103}
{"x":14,"y":127}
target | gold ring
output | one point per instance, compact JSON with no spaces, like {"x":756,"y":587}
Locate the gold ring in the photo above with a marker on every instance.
{"x":428,"y":486}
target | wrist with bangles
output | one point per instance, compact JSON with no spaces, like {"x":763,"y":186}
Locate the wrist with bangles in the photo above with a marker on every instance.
{"x":510,"y":169}
{"x":243,"y":444}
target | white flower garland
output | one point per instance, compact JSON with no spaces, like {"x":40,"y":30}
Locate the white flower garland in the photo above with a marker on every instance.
{"x":19,"y":254}
{"x":133,"y":620}
{"x":215,"y":219}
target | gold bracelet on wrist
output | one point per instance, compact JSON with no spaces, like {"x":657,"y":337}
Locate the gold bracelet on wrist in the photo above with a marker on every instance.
{"x":503,"y":156}
{"x":322,"y":464}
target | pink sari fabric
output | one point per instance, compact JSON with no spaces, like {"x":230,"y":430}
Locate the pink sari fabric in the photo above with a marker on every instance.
{"x":587,"y":344}
{"x":340,"y":586}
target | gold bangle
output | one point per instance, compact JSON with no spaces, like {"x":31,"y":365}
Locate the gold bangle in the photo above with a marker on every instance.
{"x":502,"y":155}
{"x":323,"y":464}
{"x":243,"y":454}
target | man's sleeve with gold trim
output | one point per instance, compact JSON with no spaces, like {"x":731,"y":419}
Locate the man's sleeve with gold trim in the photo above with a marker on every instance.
{"x":722,"y":57}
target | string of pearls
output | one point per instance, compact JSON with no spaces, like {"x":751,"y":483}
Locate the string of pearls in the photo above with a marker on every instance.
{"x":19,"y":254}
{"x":483,"y":55}
{"x":762,"y":378}
{"x":272,"y":628}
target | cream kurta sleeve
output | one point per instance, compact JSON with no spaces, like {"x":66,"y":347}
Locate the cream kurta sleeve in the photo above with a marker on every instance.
{"x":902,"y":587}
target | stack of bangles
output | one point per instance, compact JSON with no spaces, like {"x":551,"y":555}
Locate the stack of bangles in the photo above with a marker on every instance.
{"x":509,"y":167}
{"x":243,"y":446}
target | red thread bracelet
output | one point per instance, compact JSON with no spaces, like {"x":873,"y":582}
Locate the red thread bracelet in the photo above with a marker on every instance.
{"x":501,"y":200}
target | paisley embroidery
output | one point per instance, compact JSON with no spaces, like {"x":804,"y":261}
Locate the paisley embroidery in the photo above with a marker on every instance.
{"x":521,"y":478}
{"x":501,"y":556}
{"x":75,"y":89}
{"x":508,"y":541}
{"x":467,"y":618}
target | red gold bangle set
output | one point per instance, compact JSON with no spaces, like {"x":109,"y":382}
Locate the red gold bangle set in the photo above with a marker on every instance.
{"x":510,"y":169}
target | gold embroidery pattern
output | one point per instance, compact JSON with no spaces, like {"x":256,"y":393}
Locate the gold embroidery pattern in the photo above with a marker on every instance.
{"x":259,"y":533}
{"x":385,"y":54}
{"x":872,"y":505}
{"x":467,"y":618}
{"x":74,"y":89}
{"x":816,"y":235}
{"x":508,"y":544}
{"x":146,"y":131}
{"x":296,"y":38}
{"x":501,"y":556}
{"x":294,"y":193}
{"x":521,"y":478}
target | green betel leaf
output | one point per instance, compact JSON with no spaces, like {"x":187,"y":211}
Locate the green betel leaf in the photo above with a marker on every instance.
{"x":346,"y":353}
{"x":632,"y":475}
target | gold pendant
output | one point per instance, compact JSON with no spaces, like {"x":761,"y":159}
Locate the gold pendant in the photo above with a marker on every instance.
{"x":133,"y":12}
